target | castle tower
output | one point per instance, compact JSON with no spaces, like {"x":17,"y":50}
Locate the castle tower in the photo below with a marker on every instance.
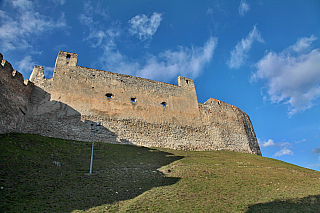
{"x":66,"y":58}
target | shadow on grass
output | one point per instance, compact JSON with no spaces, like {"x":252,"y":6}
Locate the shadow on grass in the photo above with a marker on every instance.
{"x":30,"y":182}
{"x":305,"y":204}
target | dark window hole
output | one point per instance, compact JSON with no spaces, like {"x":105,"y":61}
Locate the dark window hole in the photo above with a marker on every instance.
{"x":187,"y":81}
{"x":133,"y":99}
{"x":109,"y":95}
{"x":68,"y":56}
{"x":164,"y":104}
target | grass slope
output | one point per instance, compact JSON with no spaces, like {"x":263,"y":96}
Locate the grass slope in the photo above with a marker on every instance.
{"x":132,"y":178}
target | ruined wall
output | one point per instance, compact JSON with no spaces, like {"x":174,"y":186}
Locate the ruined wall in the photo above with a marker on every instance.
{"x":232,"y":127}
{"x":132,"y":110}
{"x":14,"y":96}
{"x":99,"y":93}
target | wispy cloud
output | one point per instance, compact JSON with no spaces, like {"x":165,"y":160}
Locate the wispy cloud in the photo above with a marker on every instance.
{"x":240,"y":53}
{"x":61,"y":2}
{"x":186,"y":61}
{"x":18,"y":29}
{"x":26,"y":65}
{"x":283,"y":146}
{"x":97,"y":31}
{"x":300,"y":141}
{"x":292,"y":76}
{"x":209,"y":11}
{"x":284,"y":151}
{"x":244,"y":7}
{"x":316,"y":150}
{"x":165,"y":66}
{"x":143,"y":27}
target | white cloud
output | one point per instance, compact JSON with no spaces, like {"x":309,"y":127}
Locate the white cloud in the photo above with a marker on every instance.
{"x":99,"y":37}
{"x":26,"y":65}
{"x":244,"y":7}
{"x":23,"y":24}
{"x":187,"y":62}
{"x":283,"y":146}
{"x":165,"y":66}
{"x":292,"y":76}
{"x":264,"y":144}
{"x":303,"y":45}
{"x":284,"y":151}
{"x":240,"y":53}
{"x":144,"y":27}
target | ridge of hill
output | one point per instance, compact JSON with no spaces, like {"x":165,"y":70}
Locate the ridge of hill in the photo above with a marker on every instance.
{"x":132,"y":178}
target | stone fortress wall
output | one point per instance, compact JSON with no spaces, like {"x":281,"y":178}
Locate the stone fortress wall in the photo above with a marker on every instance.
{"x":131,"y":110}
{"x":14,"y":97}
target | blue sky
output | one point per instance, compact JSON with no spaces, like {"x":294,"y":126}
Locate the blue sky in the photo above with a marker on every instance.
{"x":261,"y":56}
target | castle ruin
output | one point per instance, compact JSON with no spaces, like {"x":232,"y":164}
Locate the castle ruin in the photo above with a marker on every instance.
{"x":131,"y":110}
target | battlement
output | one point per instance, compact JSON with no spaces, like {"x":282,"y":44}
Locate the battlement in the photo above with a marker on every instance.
{"x":14,"y":79}
{"x":15,"y":93}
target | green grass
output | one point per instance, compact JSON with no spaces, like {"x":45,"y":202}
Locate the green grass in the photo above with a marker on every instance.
{"x":132,"y":178}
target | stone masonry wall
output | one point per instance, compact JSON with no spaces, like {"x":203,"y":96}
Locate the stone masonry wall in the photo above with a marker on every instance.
{"x":132,"y":110}
{"x":233,"y":128}
{"x":87,"y":91}
{"x":14,"y":96}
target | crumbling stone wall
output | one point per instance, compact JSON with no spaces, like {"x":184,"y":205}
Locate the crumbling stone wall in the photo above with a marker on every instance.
{"x":99,"y":93}
{"x":132,"y":110}
{"x":14,"y":97}
{"x":233,"y":128}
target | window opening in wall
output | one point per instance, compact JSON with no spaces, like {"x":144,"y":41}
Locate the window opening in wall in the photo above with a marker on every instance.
{"x":187,"y":81}
{"x":109,"y":95}
{"x":133,"y":99}
{"x":164,"y":104}
{"x":68,"y":56}
{"x":93,"y":75}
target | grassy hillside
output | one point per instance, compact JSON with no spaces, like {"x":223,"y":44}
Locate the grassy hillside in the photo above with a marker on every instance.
{"x":131,"y":178}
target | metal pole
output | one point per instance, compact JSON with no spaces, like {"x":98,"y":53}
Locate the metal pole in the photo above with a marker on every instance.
{"x":92,"y":152}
